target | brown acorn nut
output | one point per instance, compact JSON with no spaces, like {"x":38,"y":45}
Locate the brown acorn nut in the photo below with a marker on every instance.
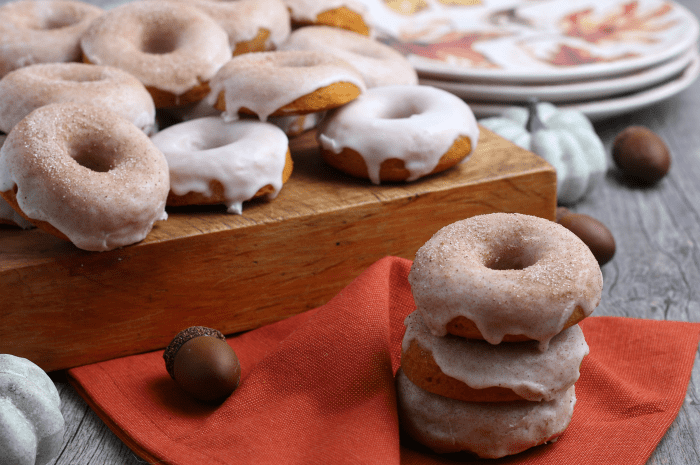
{"x":641,"y":154}
{"x":592,"y":232}
{"x":203,"y":364}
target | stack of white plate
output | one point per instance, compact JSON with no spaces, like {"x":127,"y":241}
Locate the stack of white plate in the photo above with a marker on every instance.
{"x":602,"y":57}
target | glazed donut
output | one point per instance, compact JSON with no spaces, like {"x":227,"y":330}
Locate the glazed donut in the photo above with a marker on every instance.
{"x":213,"y":162}
{"x":251,"y":25}
{"x":398,"y":133}
{"x":84,"y":174}
{"x":504,"y":277}
{"x":8,"y":215}
{"x":344,"y":14}
{"x":475,"y":371}
{"x":487,"y":429}
{"x":172,"y":48}
{"x":283,"y":83}
{"x":42,"y":31}
{"x":31,"y":87}
{"x":379,"y":64}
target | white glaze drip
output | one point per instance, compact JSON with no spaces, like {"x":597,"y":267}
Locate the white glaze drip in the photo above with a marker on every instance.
{"x":243,"y":156}
{"x":379,"y":64}
{"x":549,"y":272}
{"x":266,"y":81}
{"x":415,"y":124}
{"x":519,"y":366}
{"x":488,"y":429}
{"x":9,"y":214}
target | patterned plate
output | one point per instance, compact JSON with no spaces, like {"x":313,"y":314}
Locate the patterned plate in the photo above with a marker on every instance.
{"x":597,"y":110}
{"x":568,"y":91}
{"x":533,"y":41}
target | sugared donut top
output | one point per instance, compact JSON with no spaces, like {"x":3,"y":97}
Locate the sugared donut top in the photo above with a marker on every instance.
{"x":244,"y":156}
{"x":508,"y":273}
{"x":243,"y":19}
{"x":521,"y":367}
{"x":167,"y":45}
{"x":415,"y":124}
{"x":264,"y":82}
{"x":42,"y":31}
{"x":28,"y":88}
{"x":86,"y":171}
{"x":379,"y":64}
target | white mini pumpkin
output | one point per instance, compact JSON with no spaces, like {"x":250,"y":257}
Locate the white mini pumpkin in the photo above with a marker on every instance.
{"x":565,"y":138}
{"x":31,"y":423}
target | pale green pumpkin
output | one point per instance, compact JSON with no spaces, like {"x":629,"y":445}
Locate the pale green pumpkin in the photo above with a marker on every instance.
{"x":565,"y":138}
{"x":31,"y":423}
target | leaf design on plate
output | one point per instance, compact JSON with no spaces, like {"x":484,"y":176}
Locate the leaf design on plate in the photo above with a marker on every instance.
{"x":627,"y":24}
{"x":451,"y":47}
{"x":567,"y":55}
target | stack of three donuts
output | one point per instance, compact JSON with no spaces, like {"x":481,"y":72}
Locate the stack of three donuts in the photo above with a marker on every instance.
{"x":491,"y":353}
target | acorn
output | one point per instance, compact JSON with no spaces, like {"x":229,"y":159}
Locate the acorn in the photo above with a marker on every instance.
{"x":592,"y":232}
{"x":202,"y":363}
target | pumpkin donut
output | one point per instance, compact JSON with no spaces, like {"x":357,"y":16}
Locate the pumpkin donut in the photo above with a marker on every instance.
{"x":504,"y":277}
{"x":473,"y":370}
{"x":283,"y":83}
{"x":379,"y":64}
{"x":84,"y":174}
{"x":212,"y":161}
{"x":251,"y":25}
{"x":31,"y":87}
{"x":46,"y":31}
{"x":398,"y":133}
{"x":344,"y":14}
{"x":172,"y":48}
{"x":487,"y":429}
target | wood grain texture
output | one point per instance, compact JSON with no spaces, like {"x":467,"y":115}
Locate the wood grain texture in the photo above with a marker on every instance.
{"x":653,"y":275}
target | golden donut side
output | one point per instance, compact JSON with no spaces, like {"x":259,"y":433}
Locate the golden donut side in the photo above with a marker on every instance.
{"x":421,"y":369}
{"x":218,"y":195}
{"x":393,"y":170}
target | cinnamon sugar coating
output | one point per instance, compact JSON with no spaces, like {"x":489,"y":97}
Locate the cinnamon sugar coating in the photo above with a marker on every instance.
{"x":42,"y":31}
{"x":169,"y":46}
{"x":511,"y":274}
{"x":86,"y":172}
{"x":31,"y":87}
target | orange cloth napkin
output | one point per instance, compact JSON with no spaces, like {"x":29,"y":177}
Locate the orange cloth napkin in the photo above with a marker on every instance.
{"x":318,"y":388}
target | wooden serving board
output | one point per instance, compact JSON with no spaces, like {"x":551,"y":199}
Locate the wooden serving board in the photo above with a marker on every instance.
{"x":62,"y":307}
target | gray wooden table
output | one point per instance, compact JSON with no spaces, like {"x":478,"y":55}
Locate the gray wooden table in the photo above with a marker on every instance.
{"x":654,"y":274}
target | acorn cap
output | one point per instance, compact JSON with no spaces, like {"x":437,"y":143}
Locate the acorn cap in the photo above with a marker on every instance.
{"x":182,"y":337}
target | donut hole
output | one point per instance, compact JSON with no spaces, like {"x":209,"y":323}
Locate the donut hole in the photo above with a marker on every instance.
{"x":401,"y":110}
{"x":82,"y":78}
{"x":159,"y":42}
{"x":510,"y":257}
{"x":92,"y":155}
{"x":56,"y":22}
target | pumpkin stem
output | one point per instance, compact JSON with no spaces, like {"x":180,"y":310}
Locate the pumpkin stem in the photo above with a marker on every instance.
{"x":534,"y":123}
